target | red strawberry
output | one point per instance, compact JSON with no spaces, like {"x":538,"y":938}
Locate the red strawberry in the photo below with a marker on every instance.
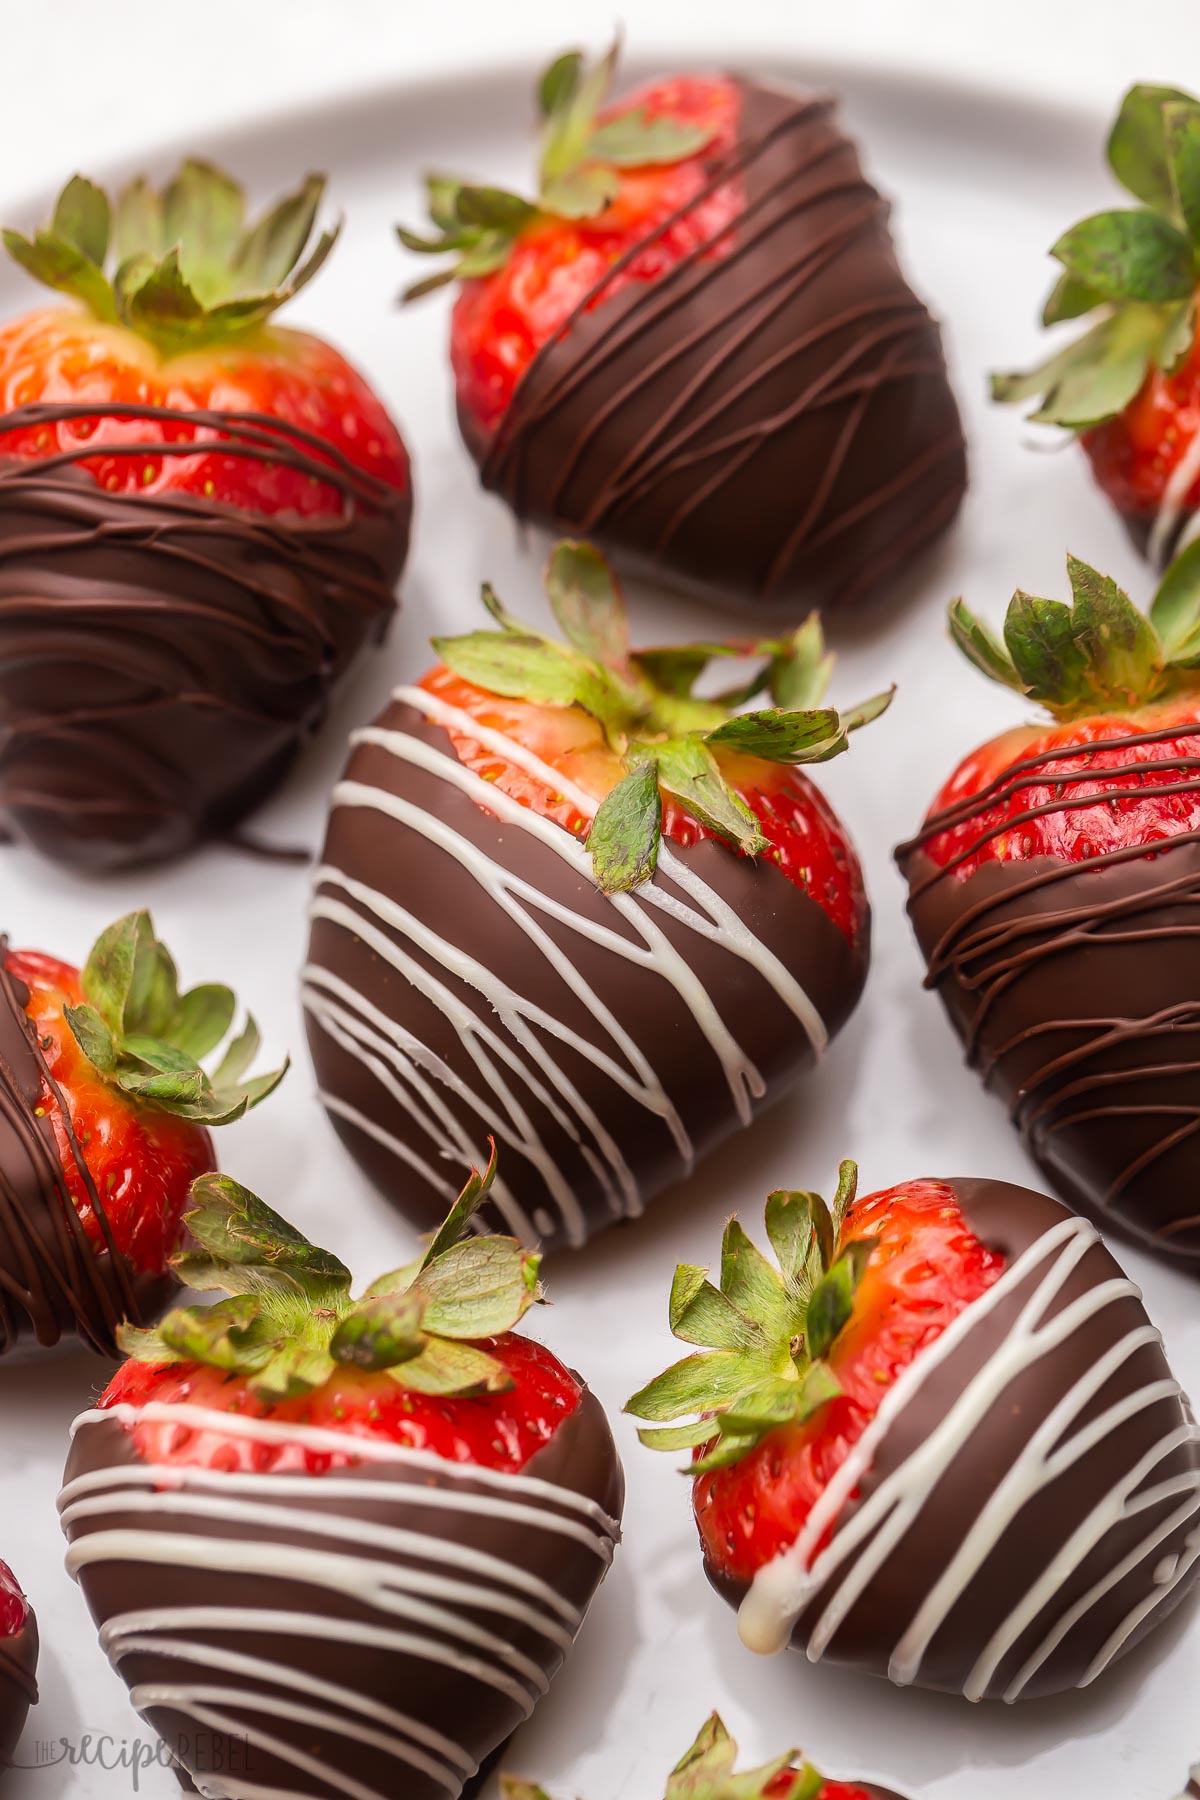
{"x":1130,"y":387}
{"x":18,"y":1663}
{"x":698,"y":317}
{"x":341,"y":1540}
{"x":915,"y":1449}
{"x":206,"y":512}
{"x":1052,"y":888}
{"x":445,"y":881}
{"x":706,"y":1772}
{"x":107,"y":1110}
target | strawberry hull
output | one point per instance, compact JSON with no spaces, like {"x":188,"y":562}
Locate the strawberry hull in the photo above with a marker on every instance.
{"x":162,"y":656}
{"x":1023,"y":1509}
{"x":770,"y":417}
{"x":56,"y":1286}
{"x":391,"y":1622}
{"x":467,"y":976}
{"x":1074,"y":991}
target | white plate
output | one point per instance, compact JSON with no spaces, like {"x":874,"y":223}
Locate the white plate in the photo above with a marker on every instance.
{"x":982,"y":186}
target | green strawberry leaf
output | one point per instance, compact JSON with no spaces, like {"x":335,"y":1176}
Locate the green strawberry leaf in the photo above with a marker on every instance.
{"x":560,"y":83}
{"x":786,"y":737}
{"x":702,"y":1314}
{"x":1121,"y":649}
{"x":524,"y":667}
{"x":1175,"y":611}
{"x":688,"y":771}
{"x":790,"y":1231}
{"x":831,"y":1303}
{"x":1070,"y":298}
{"x":229,"y":1335}
{"x":1129,"y":256}
{"x":479,"y":1288}
{"x":94,"y":1036}
{"x":246,"y":1247}
{"x":1181,"y":121}
{"x":381,"y":1332}
{"x":82,"y":219}
{"x":752,"y":1286}
{"x":458,"y":1220}
{"x":980,"y":646}
{"x":138,"y":223}
{"x":1040,"y":636}
{"x":625,"y":833}
{"x":444,"y":1367}
{"x":588,"y":604}
{"x":61,"y":265}
{"x":799,"y":671}
{"x":569,"y":125}
{"x":697,"y":1384}
{"x":634,"y":140}
{"x":581,"y":193}
{"x":1137,"y":146}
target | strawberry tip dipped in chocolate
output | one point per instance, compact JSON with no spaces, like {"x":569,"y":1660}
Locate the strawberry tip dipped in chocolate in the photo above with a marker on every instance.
{"x":694,"y":344}
{"x":203,"y":515}
{"x":18,"y":1664}
{"x":936,"y":1439}
{"x":105,"y":1113}
{"x":1129,"y":385}
{"x":1052,"y":890}
{"x":708,"y":1772}
{"x":339,"y":1545}
{"x":567,"y":902}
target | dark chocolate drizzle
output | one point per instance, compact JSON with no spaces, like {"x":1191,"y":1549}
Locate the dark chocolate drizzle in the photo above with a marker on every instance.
{"x":18,"y":1685}
{"x":1075,"y":987}
{"x":162,"y":656}
{"x":54,"y":1282}
{"x":770,"y":417}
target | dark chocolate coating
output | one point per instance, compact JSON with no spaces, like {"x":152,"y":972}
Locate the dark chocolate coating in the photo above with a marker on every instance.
{"x":1192,"y":1790}
{"x":394,"y":859}
{"x":477,"y":1717}
{"x":772,"y":423}
{"x":1010,"y":1219}
{"x":1076,"y":990}
{"x":18,"y":1686}
{"x":56,"y":1285}
{"x":163,"y":657}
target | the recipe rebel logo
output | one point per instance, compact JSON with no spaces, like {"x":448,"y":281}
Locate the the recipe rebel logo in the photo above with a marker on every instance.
{"x":205,"y":1755}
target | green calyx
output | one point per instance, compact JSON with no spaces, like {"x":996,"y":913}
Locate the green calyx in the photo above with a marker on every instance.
{"x":670,"y":741}
{"x":706,"y":1772}
{"x":765,"y":1332}
{"x":1134,"y":271}
{"x":1098,"y":654}
{"x":579,"y":172}
{"x":290,"y":1322}
{"x":180,"y":267}
{"x":151,"y":1041}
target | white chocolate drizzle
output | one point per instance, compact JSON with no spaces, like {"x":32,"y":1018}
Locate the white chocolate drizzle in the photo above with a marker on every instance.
{"x":515,"y":1053}
{"x":421,"y":1594}
{"x":784,"y":1588}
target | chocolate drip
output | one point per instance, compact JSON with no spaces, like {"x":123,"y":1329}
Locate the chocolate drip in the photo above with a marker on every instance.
{"x":418,"y":1066}
{"x":162,"y":656}
{"x":450,"y":1560}
{"x":54,"y":1281}
{"x":18,"y":1686}
{"x":1097,"y":1537}
{"x":769,"y":418}
{"x":1076,"y":990}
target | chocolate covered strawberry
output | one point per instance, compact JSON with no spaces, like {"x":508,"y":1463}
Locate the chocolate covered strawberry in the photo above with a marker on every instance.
{"x":1053,"y":887}
{"x":105,"y":1112}
{"x":566,"y":901}
{"x":1129,"y":387}
{"x":340,"y":1546}
{"x":936,"y":1439}
{"x":707,"y":1772}
{"x":18,"y":1664}
{"x":694,"y":343}
{"x":202,"y":518}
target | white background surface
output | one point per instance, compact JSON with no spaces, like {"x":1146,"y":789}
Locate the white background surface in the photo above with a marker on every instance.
{"x":982,"y":186}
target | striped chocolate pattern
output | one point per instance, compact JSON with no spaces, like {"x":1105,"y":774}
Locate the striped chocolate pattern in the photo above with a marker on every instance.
{"x":1025,"y":1504}
{"x":768,"y":418}
{"x":1076,"y":989}
{"x":466,"y":977}
{"x":373,"y":1631}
